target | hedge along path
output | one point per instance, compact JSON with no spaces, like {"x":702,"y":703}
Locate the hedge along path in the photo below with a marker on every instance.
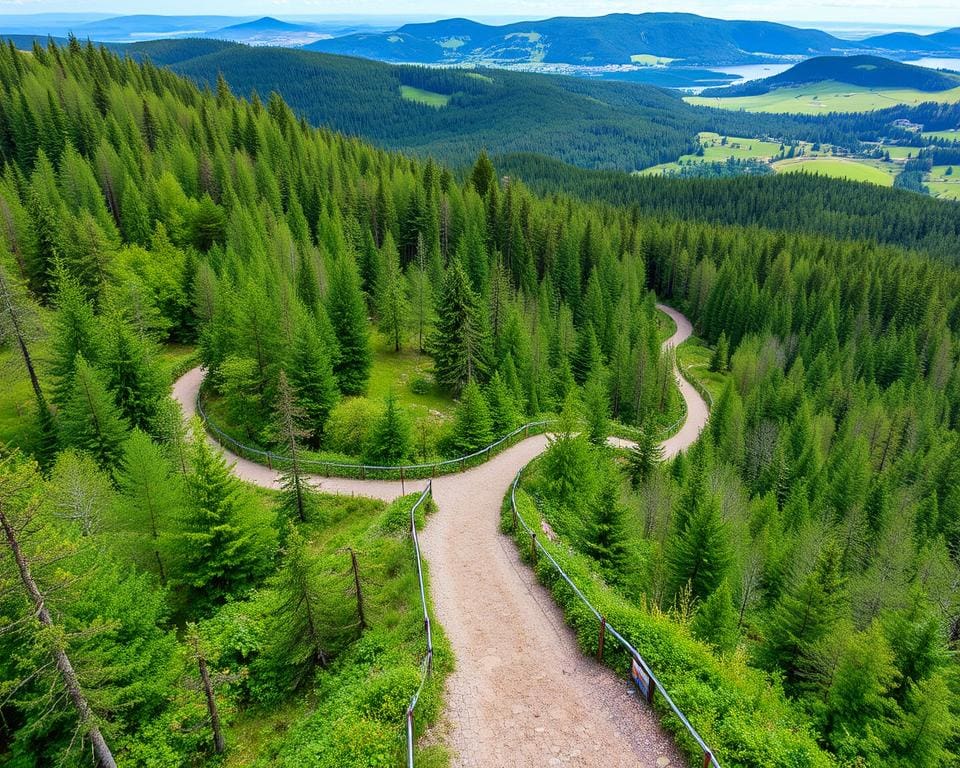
{"x":522,"y":693}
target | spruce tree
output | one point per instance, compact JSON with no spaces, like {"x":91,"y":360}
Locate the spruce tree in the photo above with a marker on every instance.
{"x":391,"y":293}
{"x":75,"y":332}
{"x":643,"y":457}
{"x":606,"y":533}
{"x":460,"y":344}
{"x":716,"y":620}
{"x":300,"y":640}
{"x":132,"y":373}
{"x":314,"y":383}
{"x":699,"y":553}
{"x":484,"y":175}
{"x":89,"y":420}
{"x":348,"y":316}
{"x":151,"y":500}
{"x":719,"y":360}
{"x":472,"y":426}
{"x":297,"y":497}
{"x":596,"y":405}
{"x":504,"y":415}
{"x":391,"y":439}
{"x":217,"y":557}
{"x":804,"y":616}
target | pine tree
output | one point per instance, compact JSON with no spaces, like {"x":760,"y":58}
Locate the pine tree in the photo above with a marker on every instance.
{"x":568,"y":466}
{"x":152,"y":497}
{"x":299,"y":640}
{"x":596,"y":404}
{"x":716,"y":620}
{"x":132,"y":374}
{"x":89,"y":420}
{"x":504,"y":415}
{"x":644,"y":457}
{"x":719,"y":360}
{"x":297,"y":497}
{"x":484,"y":175}
{"x":804,"y":615}
{"x":313,"y":381}
{"x":699,"y":553}
{"x":606,"y":534}
{"x":460,"y":344}
{"x":472,"y":425}
{"x":391,"y":439}
{"x":75,"y":332}
{"x":392,"y":308}
{"x":348,"y":316}
{"x":217,"y":557}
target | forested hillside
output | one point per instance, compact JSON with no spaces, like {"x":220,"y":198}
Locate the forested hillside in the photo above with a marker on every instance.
{"x":585,"y":122}
{"x":792,"y":202}
{"x":800,"y":563}
{"x":868,"y":71}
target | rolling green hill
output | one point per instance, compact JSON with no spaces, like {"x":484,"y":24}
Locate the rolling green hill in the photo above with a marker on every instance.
{"x":458,"y":112}
{"x":863,"y":71}
{"x":612,"y":39}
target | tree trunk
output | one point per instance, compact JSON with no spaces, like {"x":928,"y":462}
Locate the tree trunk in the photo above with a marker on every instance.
{"x":218,"y":743}
{"x":101,"y":751}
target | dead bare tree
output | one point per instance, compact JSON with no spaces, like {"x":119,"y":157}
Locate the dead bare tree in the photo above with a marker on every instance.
{"x":18,"y":504}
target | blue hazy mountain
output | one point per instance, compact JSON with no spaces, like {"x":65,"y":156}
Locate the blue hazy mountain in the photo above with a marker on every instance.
{"x":603,"y":40}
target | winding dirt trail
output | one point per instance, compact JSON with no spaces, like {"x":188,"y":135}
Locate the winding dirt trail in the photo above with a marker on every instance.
{"x":522,"y":693}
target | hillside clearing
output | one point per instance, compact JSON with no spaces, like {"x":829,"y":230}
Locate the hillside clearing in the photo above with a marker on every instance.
{"x":420,"y":96}
{"x":822,"y":98}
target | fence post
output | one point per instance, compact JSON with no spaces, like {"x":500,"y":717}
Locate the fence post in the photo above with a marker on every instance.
{"x":533,"y":547}
{"x":707,"y":758}
{"x":513,"y":506}
{"x":463,"y":464}
{"x":409,"y":737}
{"x":363,"y":472}
{"x":603,"y":634}
{"x":269,"y":460}
{"x":403,"y":489}
{"x":650,"y":690}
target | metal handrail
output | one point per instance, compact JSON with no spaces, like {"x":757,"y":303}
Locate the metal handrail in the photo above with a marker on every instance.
{"x":427,"y":663}
{"x":369,"y":471}
{"x":709,"y":760}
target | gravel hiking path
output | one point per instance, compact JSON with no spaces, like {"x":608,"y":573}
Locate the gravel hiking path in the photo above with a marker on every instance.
{"x":522,"y":693}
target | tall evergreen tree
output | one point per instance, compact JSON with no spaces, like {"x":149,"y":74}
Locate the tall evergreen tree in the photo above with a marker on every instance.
{"x":392,"y":308}
{"x":89,"y":420}
{"x":348,"y":316}
{"x":390,"y":440}
{"x":297,"y":497}
{"x":700,"y":553}
{"x":460,"y":343}
{"x":217,"y":557}
{"x":472,"y":427}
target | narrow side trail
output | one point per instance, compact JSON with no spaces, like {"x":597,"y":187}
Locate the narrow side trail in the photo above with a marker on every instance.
{"x":522,"y":693}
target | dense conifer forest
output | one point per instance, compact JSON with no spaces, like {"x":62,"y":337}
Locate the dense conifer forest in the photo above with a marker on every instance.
{"x":801,"y":559}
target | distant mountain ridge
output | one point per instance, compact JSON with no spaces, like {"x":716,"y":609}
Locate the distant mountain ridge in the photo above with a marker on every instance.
{"x":596,"y":41}
{"x":865,"y":71}
{"x":946,"y":42}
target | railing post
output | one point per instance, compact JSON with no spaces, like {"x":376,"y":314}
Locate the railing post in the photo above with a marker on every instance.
{"x":650,"y":690}
{"x":533,"y":547}
{"x":269,"y":460}
{"x":707,"y":758}
{"x":463,"y":464}
{"x":409,"y":737}
{"x":513,"y":507}
{"x":603,"y":634}
{"x":363,"y":472}
{"x":403,"y":489}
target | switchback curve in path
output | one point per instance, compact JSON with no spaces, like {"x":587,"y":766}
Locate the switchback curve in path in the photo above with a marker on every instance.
{"x":522,"y":693}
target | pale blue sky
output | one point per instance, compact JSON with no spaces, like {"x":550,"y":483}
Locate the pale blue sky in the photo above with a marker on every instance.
{"x":931,"y":13}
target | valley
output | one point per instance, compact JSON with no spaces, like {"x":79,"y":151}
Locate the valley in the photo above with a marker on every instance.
{"x":397,"y":391}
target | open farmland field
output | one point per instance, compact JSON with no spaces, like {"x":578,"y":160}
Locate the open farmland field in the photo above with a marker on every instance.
{"x":821,"y":98}
{"x":871,"y":171}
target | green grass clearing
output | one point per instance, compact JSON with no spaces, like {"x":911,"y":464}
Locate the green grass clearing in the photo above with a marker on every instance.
{"x":953,"y":135}
{"x":870,"y":171}
{"x":420,"y":96}
{"x":693,"y":357}
{"x":943,"y":186}
{"x":829,"y":96}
